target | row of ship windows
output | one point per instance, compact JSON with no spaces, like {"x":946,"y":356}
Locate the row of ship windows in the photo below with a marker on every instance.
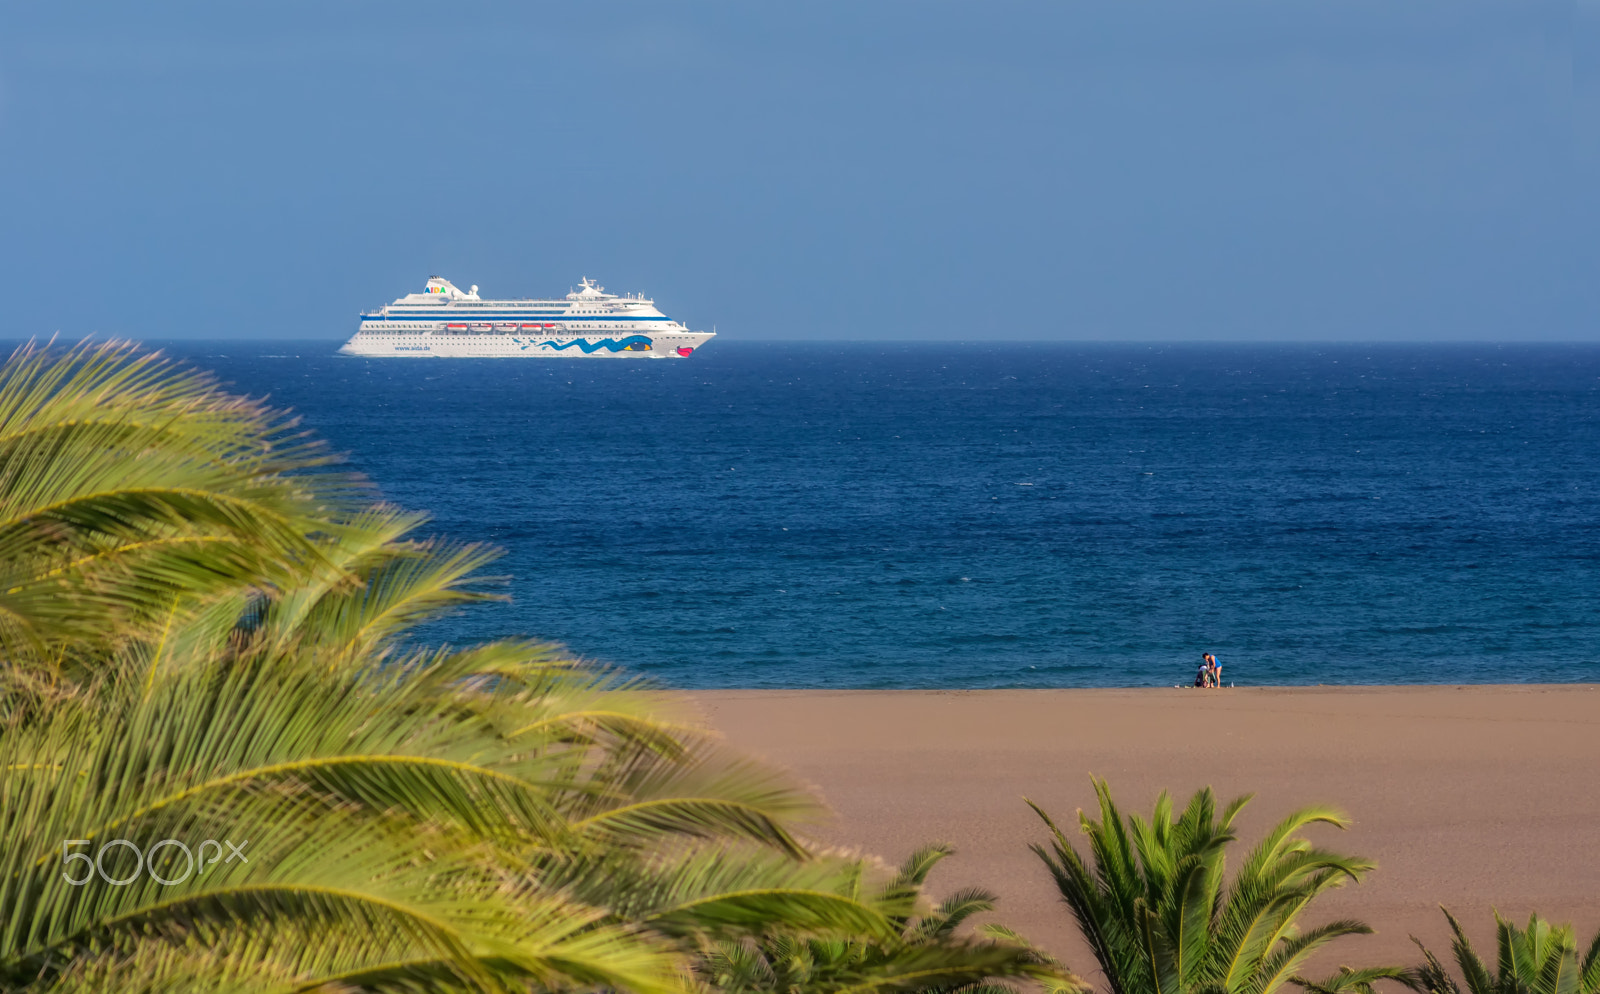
{"x":497,"y":306}
{"x":471,"y":303}
{"x":488,"y":303}
{"x":483,"y":317}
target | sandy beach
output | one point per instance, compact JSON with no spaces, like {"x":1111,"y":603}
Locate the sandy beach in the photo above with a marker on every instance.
{"x":1472,"y":797}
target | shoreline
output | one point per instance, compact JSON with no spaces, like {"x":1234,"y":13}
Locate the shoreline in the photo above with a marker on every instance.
{"x":1126,"y":688}
{"x":1475,"y":796}
{"x":1139,"y":688}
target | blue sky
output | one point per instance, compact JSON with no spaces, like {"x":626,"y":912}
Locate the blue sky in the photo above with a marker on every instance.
{"x":1273,"y":170}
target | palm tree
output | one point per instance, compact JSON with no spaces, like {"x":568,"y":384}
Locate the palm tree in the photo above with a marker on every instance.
{"x":404,"y":821}
{"x":204,"y":631}
{"x":1541,"y":959}
{"x":920,"y":950}
{"x":131,"y":492}
{"x":141,"y":506}
{"x":1153,"y":904}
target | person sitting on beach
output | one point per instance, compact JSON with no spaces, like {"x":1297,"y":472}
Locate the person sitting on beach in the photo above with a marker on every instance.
{"x":1202,"y":678}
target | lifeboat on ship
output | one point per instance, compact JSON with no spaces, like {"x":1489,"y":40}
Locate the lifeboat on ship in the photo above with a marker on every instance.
{"x":455,"y":327}
{"x":483,"y":327}
{"x":506,"y":326}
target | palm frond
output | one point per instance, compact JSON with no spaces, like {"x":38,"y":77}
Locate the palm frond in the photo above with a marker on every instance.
{"x":895,"y":951}
{"x":1348,"y":981}
{"x":1540,"y":959}
{"x":1153,"y":903}
{"x":1589,"y":982}
{"x":130,"y":487}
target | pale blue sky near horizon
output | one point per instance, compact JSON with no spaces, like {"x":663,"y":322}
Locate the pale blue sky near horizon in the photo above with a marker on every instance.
{"x":1272,"y":170}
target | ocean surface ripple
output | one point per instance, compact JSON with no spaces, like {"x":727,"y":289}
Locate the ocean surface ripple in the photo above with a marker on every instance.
{"x":1009,"y":515}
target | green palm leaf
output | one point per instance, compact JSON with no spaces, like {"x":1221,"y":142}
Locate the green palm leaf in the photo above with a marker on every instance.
{"x":1154,"y":904}
{"x":1540,"y":959}
{"x":902,"y":944}
{"x":131,"y":489}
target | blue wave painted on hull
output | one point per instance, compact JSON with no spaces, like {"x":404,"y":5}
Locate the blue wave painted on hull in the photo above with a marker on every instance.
{"x":612,"y":344}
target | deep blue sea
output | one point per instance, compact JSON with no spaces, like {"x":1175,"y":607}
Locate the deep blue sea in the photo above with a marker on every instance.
{"x":1009,"y":515}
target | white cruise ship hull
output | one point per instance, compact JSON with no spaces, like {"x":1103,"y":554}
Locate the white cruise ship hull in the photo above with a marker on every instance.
{"x":675,"y":345}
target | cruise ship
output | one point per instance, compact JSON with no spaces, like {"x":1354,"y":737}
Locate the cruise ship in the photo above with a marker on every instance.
{"x":443,"y":321}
